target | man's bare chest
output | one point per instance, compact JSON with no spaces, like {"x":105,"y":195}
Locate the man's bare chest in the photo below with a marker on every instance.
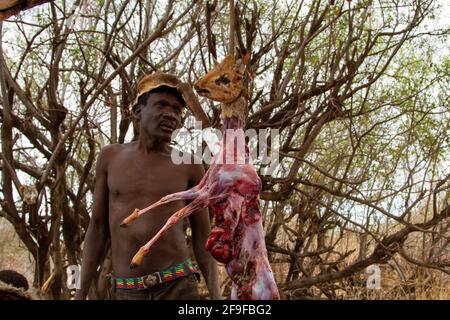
{"x":152,"y":177}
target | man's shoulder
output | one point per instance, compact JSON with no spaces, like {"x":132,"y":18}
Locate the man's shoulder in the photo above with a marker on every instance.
{"x":117,"y":147}
{"x":110,"y":151}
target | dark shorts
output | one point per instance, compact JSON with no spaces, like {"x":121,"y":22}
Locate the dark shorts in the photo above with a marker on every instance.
{"x":184,"y":288}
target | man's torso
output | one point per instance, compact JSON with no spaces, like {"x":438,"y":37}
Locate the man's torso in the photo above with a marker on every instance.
{"x":136,"y":180}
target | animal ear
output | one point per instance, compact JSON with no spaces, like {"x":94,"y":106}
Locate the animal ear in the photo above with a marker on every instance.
{"x":246,"y":58}
{"x":241,"y":64}
{"x":228,"y":62}
{"x":240,"y":67}
{"x":21,"y":189}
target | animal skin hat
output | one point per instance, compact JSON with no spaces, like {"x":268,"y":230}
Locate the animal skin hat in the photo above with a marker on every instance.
{"x":159,"y":79}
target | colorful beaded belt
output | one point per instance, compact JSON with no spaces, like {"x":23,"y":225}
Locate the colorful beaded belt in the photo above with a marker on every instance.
{"x":180,"y":270}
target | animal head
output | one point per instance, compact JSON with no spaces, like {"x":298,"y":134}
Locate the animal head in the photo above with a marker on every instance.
{"x":224,"y":83}
{"x":29,"y":194}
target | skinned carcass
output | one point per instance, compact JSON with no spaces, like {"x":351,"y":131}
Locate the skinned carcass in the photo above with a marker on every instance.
{"x":231,"y":189}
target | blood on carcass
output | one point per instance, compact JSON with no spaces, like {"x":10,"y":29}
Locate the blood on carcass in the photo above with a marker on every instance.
{"x":237,"y":239}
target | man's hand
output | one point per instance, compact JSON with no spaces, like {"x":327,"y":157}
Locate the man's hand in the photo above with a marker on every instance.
{"x":200,"y":226}
{"x":97,"y":234}
{"x":79,"y":295}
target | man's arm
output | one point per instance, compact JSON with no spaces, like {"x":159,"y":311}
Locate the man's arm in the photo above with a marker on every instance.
{"x":98,"y":231}
{"x":201,"y":228}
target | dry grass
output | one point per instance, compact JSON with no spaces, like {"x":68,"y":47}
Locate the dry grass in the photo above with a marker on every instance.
{"x":419,"y":284}
{"x":400,"y":280}
{"x":13,"y":254}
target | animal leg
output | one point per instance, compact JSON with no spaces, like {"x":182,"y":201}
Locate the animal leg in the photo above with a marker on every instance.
{"x":177,"y":216}
{"x":183,"y":195}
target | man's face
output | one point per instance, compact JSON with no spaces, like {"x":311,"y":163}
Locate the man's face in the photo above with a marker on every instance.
{"x":160,"y":116}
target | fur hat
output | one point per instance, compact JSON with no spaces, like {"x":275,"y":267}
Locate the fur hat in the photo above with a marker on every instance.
{"x":9,"y":292}
{"x":159,"y":79}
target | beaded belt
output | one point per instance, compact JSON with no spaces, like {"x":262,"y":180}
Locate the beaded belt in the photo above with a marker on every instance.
{"x":177,"y":271}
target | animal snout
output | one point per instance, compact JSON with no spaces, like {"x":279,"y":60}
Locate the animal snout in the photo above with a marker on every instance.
{"x":200,"y":90}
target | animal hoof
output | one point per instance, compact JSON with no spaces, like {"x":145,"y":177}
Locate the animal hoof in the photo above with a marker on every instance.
{"x":133,"y":216}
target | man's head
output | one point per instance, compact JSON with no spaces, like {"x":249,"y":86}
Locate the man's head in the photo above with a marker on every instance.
{"x":159,"y":113}
{"x":159,"y":106}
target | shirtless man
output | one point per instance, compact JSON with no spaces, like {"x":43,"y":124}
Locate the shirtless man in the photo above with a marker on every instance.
{"x":135,"y":175}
